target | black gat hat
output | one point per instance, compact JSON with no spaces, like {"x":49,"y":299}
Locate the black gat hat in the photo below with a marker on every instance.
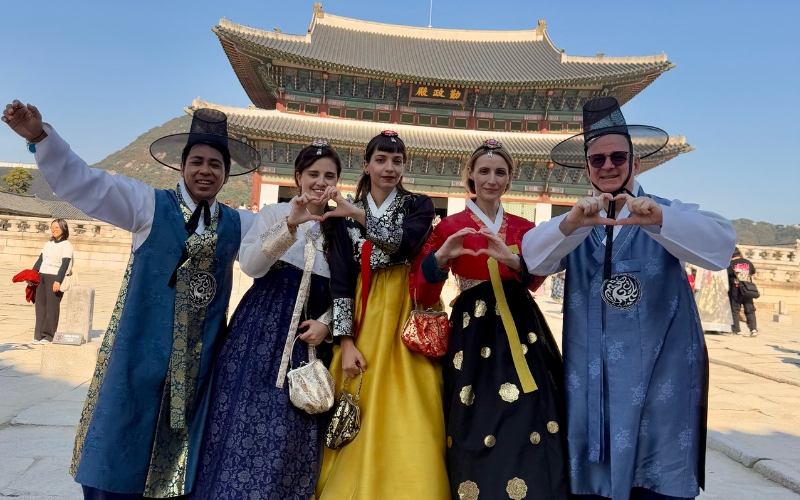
{"x":602,"y":116}
{"x":209,"y":126}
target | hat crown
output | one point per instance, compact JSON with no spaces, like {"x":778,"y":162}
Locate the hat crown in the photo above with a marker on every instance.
{"x":602,"y":116}
{"x":209,"y":121}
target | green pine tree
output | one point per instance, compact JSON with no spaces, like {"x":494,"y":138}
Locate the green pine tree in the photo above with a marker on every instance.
{"x":18,"y":180}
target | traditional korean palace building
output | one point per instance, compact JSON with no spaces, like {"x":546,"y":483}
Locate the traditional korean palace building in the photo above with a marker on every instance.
{"x":443,"y":90}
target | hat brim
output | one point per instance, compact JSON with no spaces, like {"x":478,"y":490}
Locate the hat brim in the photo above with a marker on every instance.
{"x":646,"y":140}
{"x":168,"y":150}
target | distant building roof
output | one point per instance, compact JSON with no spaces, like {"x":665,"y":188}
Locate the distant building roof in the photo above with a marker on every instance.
{"x":39,"y":186}
{"x":27,"y":206}
{"x":39,"y":201}
{"x":275,"y":125}
{"x":433,"y":55}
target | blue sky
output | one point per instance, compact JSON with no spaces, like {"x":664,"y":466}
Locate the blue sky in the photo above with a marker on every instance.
{"x":105,"y":72}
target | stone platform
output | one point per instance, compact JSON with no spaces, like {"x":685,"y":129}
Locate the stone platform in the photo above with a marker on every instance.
{"x":754,"y":451}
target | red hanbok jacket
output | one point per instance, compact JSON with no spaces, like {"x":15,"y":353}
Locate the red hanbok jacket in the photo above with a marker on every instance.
{"x":511,"y":231}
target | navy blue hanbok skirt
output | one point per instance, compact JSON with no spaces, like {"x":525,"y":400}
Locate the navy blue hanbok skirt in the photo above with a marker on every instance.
{"x":256,"y":444}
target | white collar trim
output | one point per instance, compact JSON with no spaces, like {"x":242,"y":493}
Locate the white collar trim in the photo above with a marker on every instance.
{"x":190,"y":203}
{"x":379,"y":211}
{"x":498,"y":220}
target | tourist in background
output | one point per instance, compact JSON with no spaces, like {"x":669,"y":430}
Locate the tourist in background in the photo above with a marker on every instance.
{"x":400,"y":452}
{"x":740,"y":269}
{"x":254,"y":208}
{"x":635,"y":360}
{"x":503,"y":375}
{"x":145,"y":411}
{"x":257,"y":445}
{"x":711,"y":294}
{"x":54,"y":264}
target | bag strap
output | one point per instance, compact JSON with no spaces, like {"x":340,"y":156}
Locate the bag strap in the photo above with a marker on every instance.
{"x":312,"y":353}
{"x":360,"y":381}
{"x":366,"y":275}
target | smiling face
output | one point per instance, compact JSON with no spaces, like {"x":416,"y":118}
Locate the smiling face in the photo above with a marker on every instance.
{"x":204,"y":172}
{"x":318,"y":176}
{"x":491,"y":177}
{"x":55,"y":230}
{"x":609,"y":178}
{"x":385,"y":170}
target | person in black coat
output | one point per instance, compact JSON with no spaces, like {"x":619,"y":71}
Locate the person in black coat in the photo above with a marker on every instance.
{"x":741,"y":269}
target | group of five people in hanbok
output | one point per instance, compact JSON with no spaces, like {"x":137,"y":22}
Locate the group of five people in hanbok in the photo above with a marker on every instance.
{"x":499,"y":415}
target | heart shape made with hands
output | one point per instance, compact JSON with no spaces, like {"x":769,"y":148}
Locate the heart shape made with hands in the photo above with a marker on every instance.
{"x":455,"y":243}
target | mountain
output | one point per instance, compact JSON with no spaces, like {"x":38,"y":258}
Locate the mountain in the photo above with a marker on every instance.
{"x":134,"y":161}
{"x":764,"y":233}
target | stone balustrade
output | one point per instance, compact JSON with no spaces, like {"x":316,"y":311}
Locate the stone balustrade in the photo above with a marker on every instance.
{"x":778,"y":256}
{"x":777,"y":275}
{"x":96,"y":243}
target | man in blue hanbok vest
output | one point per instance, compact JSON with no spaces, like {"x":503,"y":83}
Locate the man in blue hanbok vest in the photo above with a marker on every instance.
{"x":140,"y":431}
{"x":636,"y":367}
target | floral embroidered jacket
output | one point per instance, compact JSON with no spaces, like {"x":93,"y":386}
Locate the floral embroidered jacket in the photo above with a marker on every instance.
{"x":398,"y":230}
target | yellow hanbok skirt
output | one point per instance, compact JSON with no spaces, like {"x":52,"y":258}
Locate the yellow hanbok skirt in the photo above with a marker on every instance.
{"x":400,"y":452}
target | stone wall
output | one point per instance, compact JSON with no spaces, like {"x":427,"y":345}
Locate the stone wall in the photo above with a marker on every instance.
{"x":96,"y":244}
{"x":777,"y":276}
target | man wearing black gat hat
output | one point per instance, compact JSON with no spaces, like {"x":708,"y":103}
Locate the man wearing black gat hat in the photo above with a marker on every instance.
{"x":143,"y":419}
{"x":635,"y":362}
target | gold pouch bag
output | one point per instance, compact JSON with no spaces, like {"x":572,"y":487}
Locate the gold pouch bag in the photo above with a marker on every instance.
{"x":346,"y":419}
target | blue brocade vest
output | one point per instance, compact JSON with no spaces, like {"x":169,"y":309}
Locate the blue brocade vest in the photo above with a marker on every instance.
{"x":636,"y":379}
{"x":119,"y":440}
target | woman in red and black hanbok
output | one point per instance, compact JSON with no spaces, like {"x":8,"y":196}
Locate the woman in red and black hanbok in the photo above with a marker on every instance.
{"x":502,"y":372}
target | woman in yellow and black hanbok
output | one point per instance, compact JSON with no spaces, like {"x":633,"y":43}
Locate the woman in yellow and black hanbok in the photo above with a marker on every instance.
{"x":502,"y":371}
{"x":399,"y":453}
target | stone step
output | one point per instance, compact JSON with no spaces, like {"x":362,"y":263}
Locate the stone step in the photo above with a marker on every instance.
{"x":69,"y":360}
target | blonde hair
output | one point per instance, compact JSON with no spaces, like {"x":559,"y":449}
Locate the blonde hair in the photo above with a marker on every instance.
{"x":469,"y":184}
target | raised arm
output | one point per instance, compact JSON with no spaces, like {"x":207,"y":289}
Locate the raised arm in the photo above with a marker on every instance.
{"x":427,"y":278}
{"x":344,"y":276}
{"x":545,"y":246}
{"x":688,"y":233}
{"x":266,"y":241}
{"x":406,"y":241}
{"x":116,"y":199}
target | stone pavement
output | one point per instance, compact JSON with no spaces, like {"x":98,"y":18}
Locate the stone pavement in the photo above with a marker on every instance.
{"x":753,"y":419}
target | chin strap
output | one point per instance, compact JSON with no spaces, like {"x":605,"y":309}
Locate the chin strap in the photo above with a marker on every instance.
{"x":612,"y":213}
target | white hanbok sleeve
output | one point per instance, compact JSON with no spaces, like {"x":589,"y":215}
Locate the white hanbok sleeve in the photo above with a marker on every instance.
{"x":545,"y":247}
{"x":696,"y":236}
{"x":118,"y":200}
{"x":266,"y":241}
{"x":246,"y":217}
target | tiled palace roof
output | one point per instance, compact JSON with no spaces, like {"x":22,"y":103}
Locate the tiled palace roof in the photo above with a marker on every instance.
{"x":277,"y":126}
{"x":431,"y":55}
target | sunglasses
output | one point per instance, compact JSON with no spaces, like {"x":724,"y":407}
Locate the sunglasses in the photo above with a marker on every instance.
{"x":618,"y":158}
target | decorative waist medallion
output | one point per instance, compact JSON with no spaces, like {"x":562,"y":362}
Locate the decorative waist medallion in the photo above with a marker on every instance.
{"x":622,"y":291}
{"x":203,"y":288}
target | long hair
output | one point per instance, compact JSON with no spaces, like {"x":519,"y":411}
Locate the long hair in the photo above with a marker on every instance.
{"x":469,"y":184}
{"x":386,"y":144}
{"x":305,"y":158}
{"x":62,"y":224}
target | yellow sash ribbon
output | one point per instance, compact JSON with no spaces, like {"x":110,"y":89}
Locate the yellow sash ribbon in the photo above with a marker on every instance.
{"x":520,"y":364}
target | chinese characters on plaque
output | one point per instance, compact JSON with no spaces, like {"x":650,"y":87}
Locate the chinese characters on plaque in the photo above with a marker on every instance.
{"x":437,"y":93}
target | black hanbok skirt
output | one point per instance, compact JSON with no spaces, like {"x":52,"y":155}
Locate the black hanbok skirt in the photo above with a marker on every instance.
{"x":503,"y":443}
